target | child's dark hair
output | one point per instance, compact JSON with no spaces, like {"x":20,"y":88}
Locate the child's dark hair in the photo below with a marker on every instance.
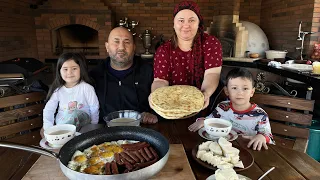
{"x":239,"y":72}
{"x":77,"y":58}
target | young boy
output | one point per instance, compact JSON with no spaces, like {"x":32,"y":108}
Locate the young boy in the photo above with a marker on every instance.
{"x":247,"y":118}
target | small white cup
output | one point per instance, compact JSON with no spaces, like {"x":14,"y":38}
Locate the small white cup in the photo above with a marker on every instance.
{"x":217,"y":131}
{"x":59,"y":134}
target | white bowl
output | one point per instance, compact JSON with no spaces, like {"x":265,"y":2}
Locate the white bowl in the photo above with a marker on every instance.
{"x":59,"y":134}
{"x":123,"y":118}
{"x":271,"y":54}
{"x":222,"y":128}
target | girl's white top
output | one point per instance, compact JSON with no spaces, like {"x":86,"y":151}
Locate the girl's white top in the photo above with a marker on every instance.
{"x":81,"y":97}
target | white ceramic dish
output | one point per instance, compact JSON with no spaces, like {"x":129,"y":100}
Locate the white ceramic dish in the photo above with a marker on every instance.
{"x":230,"y":137}
{"x":297,"y":67}
{"x":215,"y":130}
{"x":271,"y":54}
{"x":44,"y":144}
{"x":67,"y":132}
{"x":213,"y":177}
{"x":123,"y":118}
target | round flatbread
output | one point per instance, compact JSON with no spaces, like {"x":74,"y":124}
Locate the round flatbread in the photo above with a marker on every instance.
{"x":171,"y":115}
{"x":176,"y":101}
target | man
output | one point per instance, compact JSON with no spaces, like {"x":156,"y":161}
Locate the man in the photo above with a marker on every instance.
{"x":123,"y":81}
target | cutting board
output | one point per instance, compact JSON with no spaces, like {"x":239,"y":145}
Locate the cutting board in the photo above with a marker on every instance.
{"x":177,"y":167}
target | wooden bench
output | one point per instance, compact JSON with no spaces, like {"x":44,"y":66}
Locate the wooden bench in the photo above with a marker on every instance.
{"x":20,"y":121}
{"x":289,"y":119}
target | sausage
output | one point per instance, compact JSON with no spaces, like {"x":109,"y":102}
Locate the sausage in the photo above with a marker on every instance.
{"x":126,"y":171}
{"x":142,"y":165}
{"x":127,"y":164}
{"x":108,"y":171}
{"x":139,"y":156}
{"x":114,"y":168}
{"x":135,"y":146}
{"x":154,"y":153}
{"x":126,"y":157}
{"x":117,"y":158}
{"x":148,"y":153}
{"x":144,"y":155}
{"x":133,"y":156}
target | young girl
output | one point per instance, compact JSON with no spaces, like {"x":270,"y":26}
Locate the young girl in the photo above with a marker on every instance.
{"x":70,"y":91}
{"x":247,"y":118}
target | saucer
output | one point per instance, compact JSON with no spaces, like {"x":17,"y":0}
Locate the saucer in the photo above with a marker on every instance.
{"x":230,"y":137}
{"x":44,"y":144}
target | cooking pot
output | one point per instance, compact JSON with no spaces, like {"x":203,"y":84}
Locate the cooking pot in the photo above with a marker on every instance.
{"x":271,"y":54}
{"x":85,"y":140}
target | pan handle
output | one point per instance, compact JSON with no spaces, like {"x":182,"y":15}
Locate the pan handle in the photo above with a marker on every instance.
{"x":34,"y":149}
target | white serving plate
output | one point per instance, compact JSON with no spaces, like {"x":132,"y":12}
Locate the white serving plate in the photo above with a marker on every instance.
{"x":213,"y":177}
{"x":230,"y":137}
{"x":44,"y":143}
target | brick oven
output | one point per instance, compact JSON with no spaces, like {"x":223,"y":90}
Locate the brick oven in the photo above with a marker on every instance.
{"x":72,"y":26}
{"x":231,"y":33}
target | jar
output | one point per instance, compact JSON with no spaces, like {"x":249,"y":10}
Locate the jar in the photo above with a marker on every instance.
{"x":316,"y":67}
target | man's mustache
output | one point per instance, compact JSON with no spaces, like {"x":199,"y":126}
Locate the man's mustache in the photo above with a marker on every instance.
{"x":124,"y":52}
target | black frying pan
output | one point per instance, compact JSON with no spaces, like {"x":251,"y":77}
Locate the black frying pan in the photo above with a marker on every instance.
{"x":85,"y":140}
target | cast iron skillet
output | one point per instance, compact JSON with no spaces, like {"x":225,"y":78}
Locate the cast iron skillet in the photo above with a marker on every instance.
{"x":85,"y":140}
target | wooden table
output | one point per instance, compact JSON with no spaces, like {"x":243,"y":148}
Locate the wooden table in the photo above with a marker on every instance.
{"x":289,"y":164}
{"x":177,"y":167}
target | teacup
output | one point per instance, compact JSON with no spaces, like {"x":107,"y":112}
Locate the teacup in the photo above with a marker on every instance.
{"x":217,"y":127}
{"x":59,"y":134}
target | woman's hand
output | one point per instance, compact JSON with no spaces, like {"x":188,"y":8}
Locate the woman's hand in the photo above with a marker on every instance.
{"x":157,"y":83}
{"x":149,"y":100}
{"x":206,"y":100}
{"x":42,"y":133}
{"x":210,"y":83}
{"x":148,"y":118}
{"x":197,"y":125}
{"x":257,"y":142}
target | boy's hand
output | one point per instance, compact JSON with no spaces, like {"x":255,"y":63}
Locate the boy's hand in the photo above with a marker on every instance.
{"x":148,"y":118}
{"x":257,"y":142}
{"x":197,"y":125}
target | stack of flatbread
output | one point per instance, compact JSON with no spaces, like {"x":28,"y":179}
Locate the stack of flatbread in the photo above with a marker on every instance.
{"x":176,"y":102}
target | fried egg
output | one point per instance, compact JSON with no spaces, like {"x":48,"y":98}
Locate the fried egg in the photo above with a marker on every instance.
{"x":78,"y":159}
{"x":93,"y":159}
{"x":92,"y":170}
{"x":81,"y":159}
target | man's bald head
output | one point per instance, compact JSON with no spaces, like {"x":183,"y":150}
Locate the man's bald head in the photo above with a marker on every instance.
{"x":122,"y":31}
{"x":120,"y":47}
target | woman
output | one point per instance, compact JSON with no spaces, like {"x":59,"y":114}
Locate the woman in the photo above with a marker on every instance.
{"x":191,"y":57}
